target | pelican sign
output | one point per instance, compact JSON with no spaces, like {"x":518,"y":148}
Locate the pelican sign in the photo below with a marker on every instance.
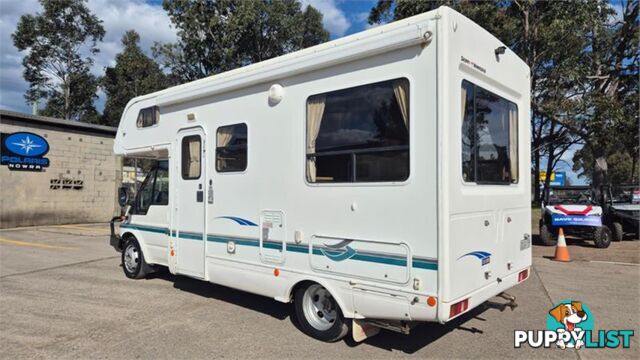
{"x":24,"y":151}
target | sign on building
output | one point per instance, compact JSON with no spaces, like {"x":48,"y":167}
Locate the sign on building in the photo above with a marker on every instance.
{"x":24,"y":151}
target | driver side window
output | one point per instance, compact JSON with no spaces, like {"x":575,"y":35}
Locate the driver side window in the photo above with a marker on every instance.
{"x":145,"y":194}
{"x":154,"y":191}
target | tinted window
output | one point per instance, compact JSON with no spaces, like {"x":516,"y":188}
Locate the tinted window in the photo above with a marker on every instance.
{"x":231,"y":148}
{"x":148,"y":117}
{"x":489,"y":137}
{"x":145,"y":194}
{"x":161,"y":188}
{"x":191,"y":151}
{"x":359,"y":134}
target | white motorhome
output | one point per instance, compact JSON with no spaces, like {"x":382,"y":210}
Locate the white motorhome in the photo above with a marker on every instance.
{"x":378,"y":180}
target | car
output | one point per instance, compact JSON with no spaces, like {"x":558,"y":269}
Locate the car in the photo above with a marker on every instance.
{"x":576,"y":211}
{"x":621,"y":207}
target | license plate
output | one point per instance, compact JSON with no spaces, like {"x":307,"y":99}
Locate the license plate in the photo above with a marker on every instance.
{"x":525,"y":243}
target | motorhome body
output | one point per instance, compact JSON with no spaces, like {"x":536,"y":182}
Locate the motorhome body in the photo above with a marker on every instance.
{"x":379,"y":176}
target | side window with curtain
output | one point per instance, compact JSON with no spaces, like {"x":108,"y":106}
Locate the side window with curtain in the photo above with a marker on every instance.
{"x":231,"y":148}
{"x":191,"y":153}
{"x":489,"y":137}
{"x":360,"y":134}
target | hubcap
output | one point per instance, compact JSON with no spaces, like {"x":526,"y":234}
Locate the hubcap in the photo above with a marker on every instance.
{"x":319,"y":307}
{"x":131,"y":258}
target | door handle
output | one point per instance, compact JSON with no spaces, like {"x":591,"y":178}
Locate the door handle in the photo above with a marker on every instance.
{"x":199,"y":196}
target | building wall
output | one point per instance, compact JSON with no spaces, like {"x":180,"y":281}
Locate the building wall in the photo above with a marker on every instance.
{"x":79,"y":186}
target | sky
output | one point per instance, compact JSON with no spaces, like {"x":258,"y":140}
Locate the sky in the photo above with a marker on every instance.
{"x":340,"y":18}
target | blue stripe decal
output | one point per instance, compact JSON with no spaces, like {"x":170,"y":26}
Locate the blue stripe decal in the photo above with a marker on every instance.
{"x":152,"y":229}
{"x":427,"y":264}
{"x":239,"y":220}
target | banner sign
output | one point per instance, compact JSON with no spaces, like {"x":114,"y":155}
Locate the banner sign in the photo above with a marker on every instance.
{"x":575,"y":220}
{"x":24,"y":151}
{"x":557,"y":178}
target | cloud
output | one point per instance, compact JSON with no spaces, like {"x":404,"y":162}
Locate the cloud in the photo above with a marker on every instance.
{"x":333,"y":19}
{"x":118,"y":16}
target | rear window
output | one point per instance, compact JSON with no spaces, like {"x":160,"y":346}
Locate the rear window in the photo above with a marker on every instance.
{"x":489,"y":137}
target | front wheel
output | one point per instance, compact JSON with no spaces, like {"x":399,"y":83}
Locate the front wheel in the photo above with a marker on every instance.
{"x":602,"y":237}
{"x":132,"y":258}
{"x":318,"y":313}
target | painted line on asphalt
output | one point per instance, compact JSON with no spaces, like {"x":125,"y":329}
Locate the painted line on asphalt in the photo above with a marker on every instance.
{"x":614,"y":263}
{"x":32,"y":244}
{"x":59,"y":267}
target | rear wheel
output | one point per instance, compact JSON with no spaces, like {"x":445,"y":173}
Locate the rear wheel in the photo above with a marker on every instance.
{"x":602,"y":237}
{"x":616,"y":229}
{"x":132,"y":258}
{"x":318,"y":313}
{"x":546,"y":236}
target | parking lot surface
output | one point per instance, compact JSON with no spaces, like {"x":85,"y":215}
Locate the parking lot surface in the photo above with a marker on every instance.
{"x":63,"y":295}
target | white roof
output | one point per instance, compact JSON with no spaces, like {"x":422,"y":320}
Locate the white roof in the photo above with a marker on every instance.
{"x":377,"y":40}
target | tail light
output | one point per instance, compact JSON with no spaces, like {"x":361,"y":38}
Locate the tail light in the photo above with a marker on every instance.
{"x":458,"y":308}
{"x":523,"y":275}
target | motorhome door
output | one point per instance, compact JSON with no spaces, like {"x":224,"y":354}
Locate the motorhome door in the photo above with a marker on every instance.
{"x":190,"y":204}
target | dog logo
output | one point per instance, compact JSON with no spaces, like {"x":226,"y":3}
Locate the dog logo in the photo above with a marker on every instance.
{"x":570,"y":316}
{"x":570,"y":326}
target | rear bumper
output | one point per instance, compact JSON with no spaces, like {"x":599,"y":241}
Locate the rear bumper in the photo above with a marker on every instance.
{"x":115,"y":240}
{"x":478,"y":297}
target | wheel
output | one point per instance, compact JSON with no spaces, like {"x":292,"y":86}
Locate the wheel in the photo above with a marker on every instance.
{"x":616,"y":229}
{"x":318,"y":313}
{"x":546,"y":236}
{"x":602,"y":237}
{"x":133,"y":262}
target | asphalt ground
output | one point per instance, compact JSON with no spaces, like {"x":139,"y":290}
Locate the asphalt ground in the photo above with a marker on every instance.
{"x":63,"y":295}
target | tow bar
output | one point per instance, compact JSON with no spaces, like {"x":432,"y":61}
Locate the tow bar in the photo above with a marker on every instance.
{"x":511,"y":302}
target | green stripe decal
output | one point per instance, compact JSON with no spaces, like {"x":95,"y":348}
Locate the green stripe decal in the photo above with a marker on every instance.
{"x":427,"y":264}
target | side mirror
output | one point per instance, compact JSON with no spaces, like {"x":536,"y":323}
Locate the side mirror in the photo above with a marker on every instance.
{"x":123,"y":196}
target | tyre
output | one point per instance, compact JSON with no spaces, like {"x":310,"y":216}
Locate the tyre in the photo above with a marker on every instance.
{"x":318,"y":313}
{"x":617,"y":231}
{"x":133,"y":262}
{"x":546,"y":236}
{"x":602,"y":237}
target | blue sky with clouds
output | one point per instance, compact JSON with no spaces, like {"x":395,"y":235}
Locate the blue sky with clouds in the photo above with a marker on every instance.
{"x":341,"y":17}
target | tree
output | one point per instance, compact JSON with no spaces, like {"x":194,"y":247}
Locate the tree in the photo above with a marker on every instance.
{"x":134,"y":74}
{"x":216,"y":36}
{"x":56,"y":40}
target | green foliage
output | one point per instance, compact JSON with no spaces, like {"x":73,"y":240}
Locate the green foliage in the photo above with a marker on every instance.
{"x":54,"y":66}
{"x":134,"y":74}
{"x":216,"y":36}
{"x":622,"y":167}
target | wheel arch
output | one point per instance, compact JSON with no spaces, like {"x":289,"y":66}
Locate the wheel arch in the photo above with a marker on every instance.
{"x":143,"y":246}
{"x":343,"y":298}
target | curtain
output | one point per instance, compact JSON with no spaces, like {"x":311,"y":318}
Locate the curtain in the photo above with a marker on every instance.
{"x":464,"y":101}
{"x":224,"y":136}
{"x":513,"y":142}
{"x":194,"y":158}
{"x":401,"y":90}
{"x":315,"y":110}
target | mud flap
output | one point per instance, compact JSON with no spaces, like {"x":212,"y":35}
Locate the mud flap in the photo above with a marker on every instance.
{"x":362,"y":330}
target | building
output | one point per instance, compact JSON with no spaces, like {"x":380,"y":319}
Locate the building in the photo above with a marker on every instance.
{"x":56,"y":171}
